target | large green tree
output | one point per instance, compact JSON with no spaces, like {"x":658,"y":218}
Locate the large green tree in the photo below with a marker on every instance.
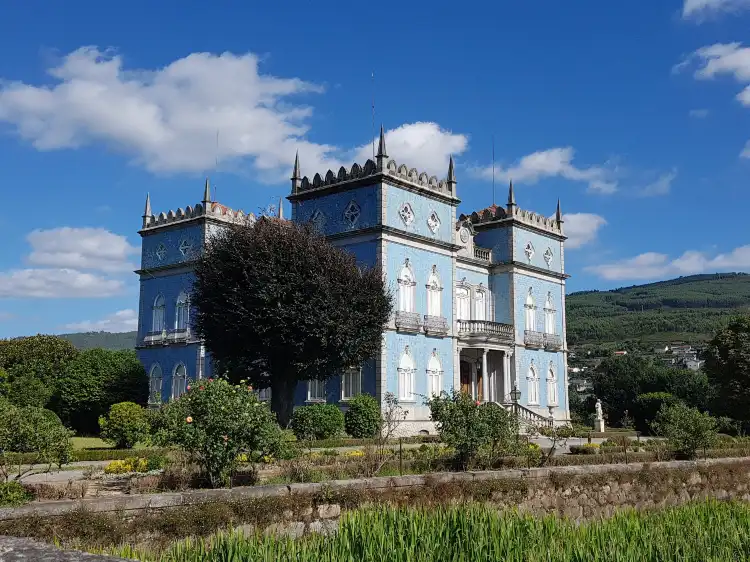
{"x":277,"y":305}
{"x":728,"y":368}
{"x":96,"y":379}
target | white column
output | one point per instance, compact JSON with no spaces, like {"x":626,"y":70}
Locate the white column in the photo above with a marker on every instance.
{"x":473,"y":379}
{"x":485,"y":377}
{"x":506,"y":376}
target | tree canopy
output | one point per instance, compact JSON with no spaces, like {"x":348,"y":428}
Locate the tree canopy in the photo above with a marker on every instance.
{"x":277,"y":305}
{"x":727,"y":365}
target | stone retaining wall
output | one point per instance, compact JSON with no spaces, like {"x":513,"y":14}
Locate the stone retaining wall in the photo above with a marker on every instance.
{"x":578,"y":492}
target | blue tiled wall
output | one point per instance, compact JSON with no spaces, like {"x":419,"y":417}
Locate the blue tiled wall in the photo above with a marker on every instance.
{"x":500,"y":284}
{"x":168,"y":285}
{"x":420,"y":347}
{"x":422,"y":208}
{"x":365,"y":252}
{"x":171,"y":238}
{"x":332,"y":205}
{"x":540,"y":290}
{"x":541,"y":363}
{"x":498,"y":240}
{"x":541,"y":243}
{"x":421,"y":262}
{"x":333,"y":386}
{"x":168,"y":357}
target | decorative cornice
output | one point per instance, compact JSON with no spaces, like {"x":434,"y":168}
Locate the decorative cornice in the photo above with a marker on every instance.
{"x":506,"y":265}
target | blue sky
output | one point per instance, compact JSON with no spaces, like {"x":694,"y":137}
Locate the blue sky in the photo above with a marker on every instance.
{"x":635,"y":114}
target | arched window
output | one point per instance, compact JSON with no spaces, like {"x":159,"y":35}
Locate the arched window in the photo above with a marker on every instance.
{"x":549,"y":315}
{"x":551,"y":386}
{"x":157,"y":317}
{"x":433,"y":294}
{"x":406,"y":285}
{"x":351,"y":383}
{"x":154,"y":385}
{"x":179,"y":381}
{"x":480,"y":305}
{"x":434,"y":375}
{"x":530,"y":311}
{"x":406,"y":371}
{"x":182,"y":315}
{"x":463,"y":310}
{"x":533,"y":381}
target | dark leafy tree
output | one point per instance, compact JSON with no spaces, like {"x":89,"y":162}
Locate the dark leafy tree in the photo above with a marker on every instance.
{"x":277,"y":305}
{"x":728,"y":368}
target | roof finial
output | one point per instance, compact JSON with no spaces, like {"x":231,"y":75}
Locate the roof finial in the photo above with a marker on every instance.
{"x":281,"y":209}
{"x":451,"y":181}
{"x":558,"y":214}
{"x":207,"y":192}
{"x":381,"y":156}
{"x":511,"y":196}
{"x":147,"y":211}
{"x":296,"y":176}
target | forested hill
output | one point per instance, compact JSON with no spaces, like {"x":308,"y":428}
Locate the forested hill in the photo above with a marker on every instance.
{"x":107,"y":340}
{"x":687,"y":308}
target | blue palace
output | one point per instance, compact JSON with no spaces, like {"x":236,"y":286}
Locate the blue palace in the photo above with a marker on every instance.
{"x":480,"y":298}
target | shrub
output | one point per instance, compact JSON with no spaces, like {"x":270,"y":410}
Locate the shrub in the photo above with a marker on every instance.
{"x":13,"y":494}
{"x":467,"y":425}
{"x":585,"y":449}
{"x":214,"y":422}
{"x":647,"y":407}
{"x":687,"y":429}
{"x":28,"y":390}
{"x":362,"y":418}
{"x":136,"y":464}
{"x":125,"y":425}
{"x":622,"y":441}
{"x":317,"y":421}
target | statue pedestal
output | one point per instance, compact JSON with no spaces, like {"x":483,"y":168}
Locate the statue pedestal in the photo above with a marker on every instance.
{"x":599,"y":426}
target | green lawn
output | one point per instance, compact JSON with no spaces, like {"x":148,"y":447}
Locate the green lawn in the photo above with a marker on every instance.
{"x":80,"y":443}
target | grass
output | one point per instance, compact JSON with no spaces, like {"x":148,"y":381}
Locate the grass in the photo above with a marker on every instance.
{"x":707,"y":532}
{"x":95,"y":443}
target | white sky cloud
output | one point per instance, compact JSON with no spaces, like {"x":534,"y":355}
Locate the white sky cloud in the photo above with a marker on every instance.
{"x":581,"y":228}
{"x":167,"y":119}
{"x":653,"y":265}
{"x":120,"y":321}
{"x":550,"y":163}
{"x":57,"y":283}
{"x":662,"y":186}
{"x":81,"y":248}
{"x":700,"y":9}
{"x":698,"y":113}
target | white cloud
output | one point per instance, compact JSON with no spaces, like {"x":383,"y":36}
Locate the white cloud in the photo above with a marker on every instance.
{"x":746,"y":151}
{"x":554,"y":162}
{"x":581,"y":228}
{"x":652,"y":265}
{"x":424,"y":146}
{"x":80,"y":248}
{"x":57,"y":283}
{"x":700,"y":9}
{"x":698,"y":113}
{"x":120,"y":321}
{"x":661,"y":186}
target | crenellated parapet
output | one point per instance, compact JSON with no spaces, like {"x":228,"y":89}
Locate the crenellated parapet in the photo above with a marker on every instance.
{"x":204,"y":209}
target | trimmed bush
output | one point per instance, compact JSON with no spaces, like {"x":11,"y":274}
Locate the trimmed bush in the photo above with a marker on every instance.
{"x":317,"y":421}
{"x":125,"y":425}
{"x":362,"y":419}
{"x":13,"y":494}
{"x":585,"y":449}
{"x":647,"y":407}
{"x":687,"y":429}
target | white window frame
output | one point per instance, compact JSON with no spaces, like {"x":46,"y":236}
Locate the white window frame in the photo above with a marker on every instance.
{"x":182,"y":312}
{"x":264,"y":394}
{"x":480,"y":304}
{"x":434,"y":376}
{"x":316,"y":391}
{"x":406,"y":289}
{"x":434,"y":292}
{"x":530,"y":307}
{"x":351,"y":383}
{"x":406,"y":377}
{"x":179,"y":383}
{"x":552,"y":399}
{"x":158,"y":310}
{"x":463,"y":301}
{"x":155,"y":381}
{"x":533,"y":380}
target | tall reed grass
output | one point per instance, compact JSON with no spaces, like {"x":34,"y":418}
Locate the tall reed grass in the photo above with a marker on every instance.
{"x":707,"y":532}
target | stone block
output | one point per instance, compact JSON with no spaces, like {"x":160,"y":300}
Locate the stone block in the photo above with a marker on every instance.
{"x":325,"y":527}
{"x":294,"y":530}
{"x":329,"y":511}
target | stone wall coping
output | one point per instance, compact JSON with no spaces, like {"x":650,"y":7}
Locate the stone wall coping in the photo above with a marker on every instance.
{"x":191,"y":497}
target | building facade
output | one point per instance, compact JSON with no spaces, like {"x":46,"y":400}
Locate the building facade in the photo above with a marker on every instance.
{"x":480,"y":298}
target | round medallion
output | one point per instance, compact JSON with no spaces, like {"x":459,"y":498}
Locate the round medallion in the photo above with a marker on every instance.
{"x":464,"y":233}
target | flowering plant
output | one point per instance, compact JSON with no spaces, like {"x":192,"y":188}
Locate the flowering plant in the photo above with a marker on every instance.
{"x":217,"y":424}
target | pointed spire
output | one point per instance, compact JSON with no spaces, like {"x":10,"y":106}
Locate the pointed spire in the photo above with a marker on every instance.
{"x":511,"y":196}
{"x":558,"y":214}
{"x":207,"y":192}
{"x":381,"y":144}
{"x":296,"y":175}
{"x":147,"y":211}
{"x":451,"y":171}
{"x":281,"y":209}
{"x":295,"y":172}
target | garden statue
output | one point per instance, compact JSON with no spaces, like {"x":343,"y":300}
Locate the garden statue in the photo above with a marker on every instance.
{"x":599,"y":419}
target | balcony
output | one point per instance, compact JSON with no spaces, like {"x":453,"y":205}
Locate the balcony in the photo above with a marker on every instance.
{"x":408,"y":321}
{"x":552,"y":342}
{"x":533,"y":339}
{"x":482,"y":253}
{"x":435,"y":325}
{"x":179,"y":335}
{"x":155,"y":338}
{"x":485,"y":330}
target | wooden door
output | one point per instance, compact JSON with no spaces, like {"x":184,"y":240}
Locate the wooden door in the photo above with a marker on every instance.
{"x":466,"y":377}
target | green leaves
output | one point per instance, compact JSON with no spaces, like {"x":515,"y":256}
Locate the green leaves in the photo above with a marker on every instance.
{"x":125,"y":425}
{"x":687,"y":429}
{"x":728,"y":368}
